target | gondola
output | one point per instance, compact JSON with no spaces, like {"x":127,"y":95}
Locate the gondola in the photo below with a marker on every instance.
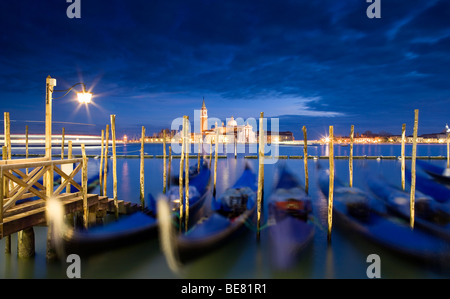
{"x":289,"y":210}
{"x":427,"y":185}
{"x":430,"y":215}
{"x":356,"y":211}
{"x":138,"y":226}
{"x":193,"y":172}
{"x":230,"y":213}
{"x":440,"y":174}
{"x":199,"y":183}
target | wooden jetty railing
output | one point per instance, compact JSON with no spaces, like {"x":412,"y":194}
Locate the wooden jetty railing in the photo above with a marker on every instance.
{"x":20,"y":179}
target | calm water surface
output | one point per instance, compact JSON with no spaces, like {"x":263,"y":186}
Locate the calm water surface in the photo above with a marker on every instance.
{"x":244,"y":257}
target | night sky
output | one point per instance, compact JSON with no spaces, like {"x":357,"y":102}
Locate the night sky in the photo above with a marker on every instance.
{"x":314,"y":63}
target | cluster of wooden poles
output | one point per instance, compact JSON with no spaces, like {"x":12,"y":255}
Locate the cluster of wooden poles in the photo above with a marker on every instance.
{"x":184,"y":167}
{"x":260,"y":191}
{"x":413,"y":167}
{"x":103,"y":169}
{"x":26,"y":237}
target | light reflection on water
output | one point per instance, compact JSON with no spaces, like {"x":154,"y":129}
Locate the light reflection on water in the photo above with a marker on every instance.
{"x":345,"y":257}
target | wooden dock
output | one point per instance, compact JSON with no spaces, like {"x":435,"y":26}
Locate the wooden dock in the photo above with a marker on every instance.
{"x":33,"y":213}
{"x":26,"y":185}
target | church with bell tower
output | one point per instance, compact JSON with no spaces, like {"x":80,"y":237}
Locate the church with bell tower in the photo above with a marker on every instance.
{"x":242,"y":133}
{"x":203,"y":118}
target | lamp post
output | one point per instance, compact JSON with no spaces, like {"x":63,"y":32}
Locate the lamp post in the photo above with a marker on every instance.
{"x":83,"y":97}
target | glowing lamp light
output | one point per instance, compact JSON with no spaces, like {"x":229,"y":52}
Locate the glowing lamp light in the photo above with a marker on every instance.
{"x":84,"y":97}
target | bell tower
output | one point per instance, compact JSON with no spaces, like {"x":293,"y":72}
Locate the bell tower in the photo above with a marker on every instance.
{"x":203,"y":118}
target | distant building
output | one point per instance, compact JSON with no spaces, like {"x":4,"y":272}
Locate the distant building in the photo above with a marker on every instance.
{"x":169,"y":133}
{"x":242,"y":133}
{"x":279,"y":136}
{"x":203,"y":118}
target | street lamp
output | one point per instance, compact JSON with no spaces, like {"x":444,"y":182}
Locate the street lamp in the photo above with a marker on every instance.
{"x":83,"y":97}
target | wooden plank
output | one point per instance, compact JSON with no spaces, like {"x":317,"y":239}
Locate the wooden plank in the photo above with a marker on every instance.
{"x":76,"y":204}
{"x":34,"y":204}
{"x":27,"y":179}
{"x":20,"y":193}
{"x":125,"y":207}
{"x":23,"y":184}
{"x":21,"y":161}
{"x":20,"y":221}
{"x":67,"y":179}
{"x":24,"y":207}
{"x":24,"y":165}
{"x":1,"y":204}
{"x":103,"y":202}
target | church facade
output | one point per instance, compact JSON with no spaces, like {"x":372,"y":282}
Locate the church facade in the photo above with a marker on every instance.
{"x":242,"y":133}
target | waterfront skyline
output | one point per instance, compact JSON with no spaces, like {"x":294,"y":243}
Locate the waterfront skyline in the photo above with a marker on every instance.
{"x":307,"y":63}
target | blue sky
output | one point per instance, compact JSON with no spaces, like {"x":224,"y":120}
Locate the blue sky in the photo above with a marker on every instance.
{"x":313,"y":63}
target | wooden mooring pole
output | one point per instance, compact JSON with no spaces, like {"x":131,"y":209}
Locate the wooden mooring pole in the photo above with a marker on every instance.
{"x":170,"y":167}
{"x":235,"y":145}
{"x":448,"y":150}
{"x":403,"y":155}
{"x":113,"y":136}
{"x":210,"y":152}
{"x":26,"y":243}
{"x":413,"y":169}
{"x":216,"y":153}
{"x":25,"y":238}
{"x":84,"y":185}
{"x":7,"y":124}
{"x":142,"y":172}
{"x":5,"y":189}
{"x":186,"y":173}
{"x":260,"y":192}
{"x":164,"y":163}
{"x":102,"y":156}
{"x":180,"y":176}
{"x":62,"y":142}
{"x":69,"y":156}
{"x":26,"y":145}
{"x":6,"y":155}
{"x":105,"y":169}
{"x":199,"y":153}
{"x":70,"y":217}
{"x":350,"y":158}
{"x":331,"y":184}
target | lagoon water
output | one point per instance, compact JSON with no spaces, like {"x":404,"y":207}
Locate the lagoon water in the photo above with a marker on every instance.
{"x":244,"y":257}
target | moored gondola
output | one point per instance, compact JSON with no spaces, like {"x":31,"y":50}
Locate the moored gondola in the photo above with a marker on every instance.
{"x":290,"y":229}
{"x":356,"y":211}
{"x":230,"y":213}
{"x":199,"y":183}
{"x":430,"y":215}
{"x":427,"y":185}
{"x":138,"y":226}
{"x":440,"y":174}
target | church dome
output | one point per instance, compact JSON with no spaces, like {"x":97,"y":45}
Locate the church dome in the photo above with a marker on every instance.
{"x":232,"y":122}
